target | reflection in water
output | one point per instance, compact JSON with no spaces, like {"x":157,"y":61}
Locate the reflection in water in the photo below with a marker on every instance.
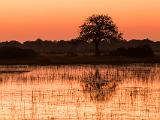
{"x":98,"y":88}
{"x":80,"y":92}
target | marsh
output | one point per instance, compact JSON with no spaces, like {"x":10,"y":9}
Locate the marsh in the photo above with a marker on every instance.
{"x":80,"y":92}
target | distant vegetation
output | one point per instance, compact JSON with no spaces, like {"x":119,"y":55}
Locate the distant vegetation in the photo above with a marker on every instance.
{"x":7,"y":52}
{"x":78,"y":47}
{"x":138,"y":52}
{"x":45,"y":52}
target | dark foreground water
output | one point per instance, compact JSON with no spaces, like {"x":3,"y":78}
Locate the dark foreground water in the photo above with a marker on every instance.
{"x":82,"y":92}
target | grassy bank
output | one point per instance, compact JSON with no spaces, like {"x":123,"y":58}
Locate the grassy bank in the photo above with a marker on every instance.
{"x":53,"y":60}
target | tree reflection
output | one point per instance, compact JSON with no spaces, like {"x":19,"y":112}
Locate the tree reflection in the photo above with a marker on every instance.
{"x":97,"y":88}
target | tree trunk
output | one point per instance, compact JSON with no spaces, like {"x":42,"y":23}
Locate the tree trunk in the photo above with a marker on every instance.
{"x":97,"y":53}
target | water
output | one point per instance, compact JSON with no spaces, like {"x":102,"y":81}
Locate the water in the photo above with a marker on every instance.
{"x":80,"y":92}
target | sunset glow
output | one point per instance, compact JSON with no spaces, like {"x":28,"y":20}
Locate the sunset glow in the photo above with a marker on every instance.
{"x":60,"y":19}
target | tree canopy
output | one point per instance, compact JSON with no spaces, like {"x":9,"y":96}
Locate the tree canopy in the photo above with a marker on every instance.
{"x":97,"y":28}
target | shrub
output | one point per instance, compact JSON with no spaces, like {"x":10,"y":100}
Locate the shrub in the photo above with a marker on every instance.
{"x":140,"y":51}
{"x":15,"y":52}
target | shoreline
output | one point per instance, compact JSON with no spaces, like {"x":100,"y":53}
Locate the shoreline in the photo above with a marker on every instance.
{"x":73,"y":60}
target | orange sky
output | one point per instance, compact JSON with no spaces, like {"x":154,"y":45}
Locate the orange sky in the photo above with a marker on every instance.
{"x":59,"y":19}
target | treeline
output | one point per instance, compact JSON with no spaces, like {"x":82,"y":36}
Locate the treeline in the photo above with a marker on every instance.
{"x":139,"y":51}
{"x":8,"y":52}
{"x":132,"y":48}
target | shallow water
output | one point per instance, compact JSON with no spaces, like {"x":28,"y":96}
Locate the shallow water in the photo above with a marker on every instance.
{"x":80,"y":92}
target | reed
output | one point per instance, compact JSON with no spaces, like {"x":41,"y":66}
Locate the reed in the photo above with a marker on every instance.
{"x":80,"y":92}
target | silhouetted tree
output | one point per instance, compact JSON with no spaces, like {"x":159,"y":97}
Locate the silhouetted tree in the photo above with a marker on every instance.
{"x":97,"y":28}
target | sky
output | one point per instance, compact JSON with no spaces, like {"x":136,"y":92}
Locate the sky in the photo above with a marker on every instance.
{"x":60,"y":19}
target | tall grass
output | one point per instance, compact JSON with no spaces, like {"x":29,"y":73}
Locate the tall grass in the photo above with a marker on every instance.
{"x":71,"y":92}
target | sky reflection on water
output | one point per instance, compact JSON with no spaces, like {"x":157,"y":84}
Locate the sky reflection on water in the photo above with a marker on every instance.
{"x":80,"y":92}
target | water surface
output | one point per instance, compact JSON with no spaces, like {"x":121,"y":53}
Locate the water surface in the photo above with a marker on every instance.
{"x":80,"y":92}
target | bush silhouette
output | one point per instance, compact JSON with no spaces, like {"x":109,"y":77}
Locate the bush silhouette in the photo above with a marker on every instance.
{"x":140,"y":51}
{"x":15,"y":52}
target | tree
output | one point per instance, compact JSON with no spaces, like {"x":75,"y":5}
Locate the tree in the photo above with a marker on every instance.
{"x":97,"y":28}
